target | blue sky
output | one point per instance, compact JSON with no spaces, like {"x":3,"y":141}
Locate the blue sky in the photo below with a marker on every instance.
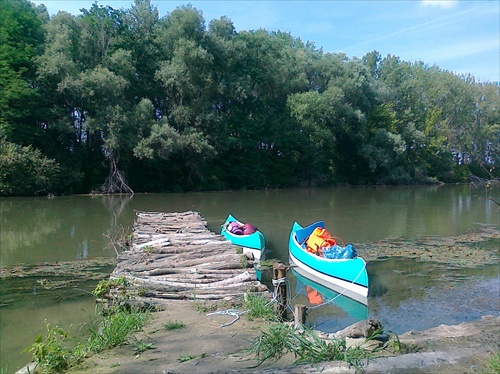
{"x":459,"y":36}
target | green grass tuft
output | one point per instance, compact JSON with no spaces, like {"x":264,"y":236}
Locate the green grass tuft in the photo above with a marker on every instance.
{"x":259,"y":308}
{"x":174,"y":325}
{"x":305,"y":345}
{"x":115,"y":329}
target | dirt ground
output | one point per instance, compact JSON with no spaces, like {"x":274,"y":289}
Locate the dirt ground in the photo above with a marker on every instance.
{"x":203,"y":346}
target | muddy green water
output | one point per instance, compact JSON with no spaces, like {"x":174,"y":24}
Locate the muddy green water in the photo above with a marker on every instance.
{"x":404,"y":294}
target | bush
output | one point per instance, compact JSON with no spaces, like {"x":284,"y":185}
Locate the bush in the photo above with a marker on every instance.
{"x":52,"y":353}
{"x":25,"y":171}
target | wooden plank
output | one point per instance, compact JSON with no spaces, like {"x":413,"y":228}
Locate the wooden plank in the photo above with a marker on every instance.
{"x":175,"y":256}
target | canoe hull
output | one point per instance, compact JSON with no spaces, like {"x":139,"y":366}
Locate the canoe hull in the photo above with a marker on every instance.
{"x":348,"y":277}
{"x":357,"y":310}
{"x":254,"y":243}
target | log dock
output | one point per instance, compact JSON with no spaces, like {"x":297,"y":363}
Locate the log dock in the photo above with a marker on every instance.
{"x":175,"y":256}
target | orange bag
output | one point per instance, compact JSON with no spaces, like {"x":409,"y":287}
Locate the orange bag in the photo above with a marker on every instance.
{"x":319,"y":238}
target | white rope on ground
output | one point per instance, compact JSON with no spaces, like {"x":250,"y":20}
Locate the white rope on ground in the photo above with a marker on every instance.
{"x":230,"y":312}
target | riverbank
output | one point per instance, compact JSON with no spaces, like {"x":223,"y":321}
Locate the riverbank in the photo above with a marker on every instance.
{"x":203,"y":346}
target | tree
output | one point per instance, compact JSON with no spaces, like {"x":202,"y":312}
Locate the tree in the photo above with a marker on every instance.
{"x":20,"y":36}
{"x":25,"y":171}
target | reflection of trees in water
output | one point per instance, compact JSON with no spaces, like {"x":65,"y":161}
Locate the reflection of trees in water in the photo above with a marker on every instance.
{"x":115,"y":205}
{"x":116,"y":234}
{"x":25,"y":226}
{"x":487,"y":186}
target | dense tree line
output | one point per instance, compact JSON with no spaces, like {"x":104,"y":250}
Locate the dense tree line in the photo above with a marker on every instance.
{"x":169,"y":103}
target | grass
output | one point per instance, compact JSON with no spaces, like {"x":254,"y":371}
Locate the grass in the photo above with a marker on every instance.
{"x":56,"y":352}
{"x":305,"y":345}
{"x":191,"y":357}
{"x":174,"y":325}
{"x":205,"y":307}
{"x":141,"y":346}
{"x":259,"y":308}
{"x":492,"y":364}
{"x":115,"y":329}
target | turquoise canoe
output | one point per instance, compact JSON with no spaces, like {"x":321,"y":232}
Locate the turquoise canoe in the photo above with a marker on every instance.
{"x":253,"y":243}
{"x":328,"y":296}
{"x":348,"y":277}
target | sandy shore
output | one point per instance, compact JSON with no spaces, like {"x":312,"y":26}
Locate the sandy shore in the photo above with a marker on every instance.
{"x":462,"y":348}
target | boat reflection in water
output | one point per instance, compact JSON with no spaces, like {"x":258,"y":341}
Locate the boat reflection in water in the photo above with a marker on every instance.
{"x":326,"y":307}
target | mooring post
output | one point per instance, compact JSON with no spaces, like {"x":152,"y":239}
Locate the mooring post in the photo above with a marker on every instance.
{"x":300,"y":315}
{"x":279,"y":283}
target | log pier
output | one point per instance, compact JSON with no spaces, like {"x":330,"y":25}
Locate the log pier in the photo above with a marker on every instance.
{"x":175,"y":256}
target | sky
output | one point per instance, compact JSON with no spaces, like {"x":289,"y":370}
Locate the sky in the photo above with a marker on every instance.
{"x":460,"y":36}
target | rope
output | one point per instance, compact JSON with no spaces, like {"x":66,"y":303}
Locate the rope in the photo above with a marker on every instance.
{"x":230,"y":312}
{"x":278,"y":282}
{"x":341,"y":293}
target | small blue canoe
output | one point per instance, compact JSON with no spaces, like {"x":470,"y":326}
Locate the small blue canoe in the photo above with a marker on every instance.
{"x":346,"y":276}
{"x":253,"y":243}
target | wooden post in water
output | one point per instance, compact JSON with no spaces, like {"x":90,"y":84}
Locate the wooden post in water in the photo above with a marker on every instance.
{"x":279,"y":283}
{"x":300,"y":315}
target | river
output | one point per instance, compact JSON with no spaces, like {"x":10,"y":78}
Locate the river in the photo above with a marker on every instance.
{"x":404,"y":294}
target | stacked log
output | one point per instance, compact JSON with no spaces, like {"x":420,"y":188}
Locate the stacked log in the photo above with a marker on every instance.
{"x":175,"y":256}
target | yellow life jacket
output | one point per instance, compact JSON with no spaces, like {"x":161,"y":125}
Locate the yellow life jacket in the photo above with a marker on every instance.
{"x":319,"y":238}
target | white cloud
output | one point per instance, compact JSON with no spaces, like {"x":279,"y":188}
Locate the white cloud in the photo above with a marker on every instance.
{"x":444,"y":4}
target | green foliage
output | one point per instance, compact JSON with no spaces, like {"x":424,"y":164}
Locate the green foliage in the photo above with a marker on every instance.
{"x":180,"y":106}
{"x":56,"y":352}
{"x":174,"y":325}
{"x":52,"y":351}
{"x":306,"y":346}
{"x":25,"y":171}
{"x":191,"y":357}
{"x":115,"y":329}
{"x":20,"y":38}
{"x":104,"y":286}
{"x":492,"y":364}
{"x":259,"y":308}
{"x":205,"y":307}
{"x":141,"y":346}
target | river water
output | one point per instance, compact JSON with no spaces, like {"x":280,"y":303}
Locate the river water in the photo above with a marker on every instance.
{"x":404,"y":294}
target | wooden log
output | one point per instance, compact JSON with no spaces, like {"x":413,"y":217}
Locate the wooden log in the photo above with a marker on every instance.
{"x":156,"y":242}
{"x":184,"y":260}
{"x":200,"y":271}
{"x":230,"y":282}
{"x":279,"y":283}
{"x":300,"y":312}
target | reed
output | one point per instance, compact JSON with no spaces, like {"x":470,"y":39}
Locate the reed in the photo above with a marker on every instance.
{"x":305,"y":345}
{"x":114,"y":330}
